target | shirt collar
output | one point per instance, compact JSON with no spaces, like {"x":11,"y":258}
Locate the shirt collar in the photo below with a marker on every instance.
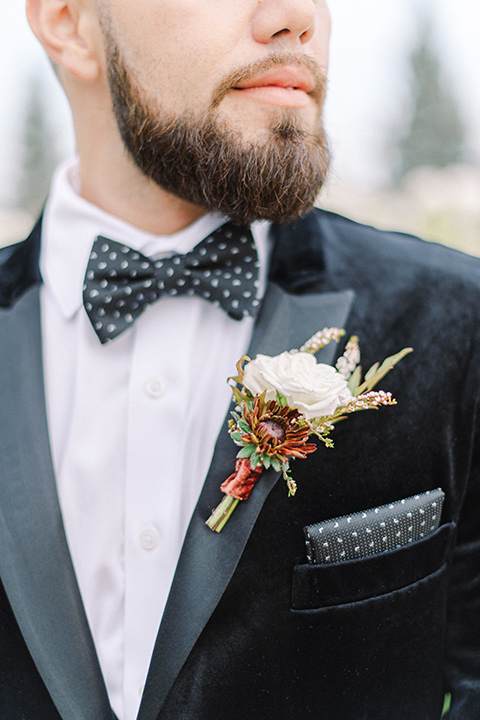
{"x":72,"y":223}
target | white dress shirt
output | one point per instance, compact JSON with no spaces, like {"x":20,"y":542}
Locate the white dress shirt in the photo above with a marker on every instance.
{"x":133,"y":426}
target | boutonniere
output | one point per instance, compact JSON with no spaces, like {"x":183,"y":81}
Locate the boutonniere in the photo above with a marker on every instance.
{"x":283,"y":400}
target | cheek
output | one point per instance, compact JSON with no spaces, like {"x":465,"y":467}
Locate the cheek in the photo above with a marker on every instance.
{"x":176,"y":55}
{"x":321,"y":40}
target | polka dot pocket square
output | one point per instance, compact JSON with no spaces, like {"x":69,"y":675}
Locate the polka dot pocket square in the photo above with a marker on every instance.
{"x":374,"y":531}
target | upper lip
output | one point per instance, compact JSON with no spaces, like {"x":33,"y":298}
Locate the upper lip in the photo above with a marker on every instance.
{"x":287,"y":76}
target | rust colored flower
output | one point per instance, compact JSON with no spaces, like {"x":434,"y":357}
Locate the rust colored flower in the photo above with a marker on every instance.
{"x":278,"y":432}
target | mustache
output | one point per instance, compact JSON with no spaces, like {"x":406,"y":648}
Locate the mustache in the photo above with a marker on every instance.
{"x":250,"y":71}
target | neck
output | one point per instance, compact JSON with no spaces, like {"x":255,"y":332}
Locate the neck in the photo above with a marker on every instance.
{"x":141,"y":203}
{"x":110,"y":179}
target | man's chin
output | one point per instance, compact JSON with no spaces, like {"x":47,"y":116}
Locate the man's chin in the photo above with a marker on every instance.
{"x":276,"y":176}
{"x":253,"y":120}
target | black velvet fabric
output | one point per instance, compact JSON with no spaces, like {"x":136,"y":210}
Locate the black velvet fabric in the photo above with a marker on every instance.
{"x":377,"y":639}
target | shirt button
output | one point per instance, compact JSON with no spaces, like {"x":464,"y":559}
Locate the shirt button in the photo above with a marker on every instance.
{"x":149,"y":538}
{"x":155,"y":387}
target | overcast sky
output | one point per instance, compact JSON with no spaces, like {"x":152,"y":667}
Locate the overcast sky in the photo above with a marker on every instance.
{"x":370,"y":43}
{"x":368,"y":83}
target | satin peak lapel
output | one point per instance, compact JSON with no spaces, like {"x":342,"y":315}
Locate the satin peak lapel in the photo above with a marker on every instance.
{"x":208,"y":559}
{"x":35,"y":563}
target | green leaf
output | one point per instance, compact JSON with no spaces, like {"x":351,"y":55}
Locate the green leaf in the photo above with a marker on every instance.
{"x":236,"y":436}
{"x":246,"y":451}
{"x":243,"y":426}
{"x":372,"y":371}
{"x":387,"y":365}
{"x":255,"y":459}
{"x":267,"y":461}
{"x":276,"y":465}
{"x":239,"y":397}
{"x":355,"y":378}
{"x":281,"y":399}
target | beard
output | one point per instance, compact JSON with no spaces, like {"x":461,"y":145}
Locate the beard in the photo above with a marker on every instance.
{"x":204,"y":161}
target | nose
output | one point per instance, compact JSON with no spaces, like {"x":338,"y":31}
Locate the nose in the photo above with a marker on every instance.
{"x":288,"y":19}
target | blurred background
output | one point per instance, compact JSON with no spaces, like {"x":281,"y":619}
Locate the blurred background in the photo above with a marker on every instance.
{"x":402,"y":115}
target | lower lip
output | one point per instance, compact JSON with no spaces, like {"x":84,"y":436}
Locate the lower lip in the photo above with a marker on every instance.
{"x":276,"y":95}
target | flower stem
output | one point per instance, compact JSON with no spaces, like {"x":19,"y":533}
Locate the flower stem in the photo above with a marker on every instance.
{"x":220,"y":515}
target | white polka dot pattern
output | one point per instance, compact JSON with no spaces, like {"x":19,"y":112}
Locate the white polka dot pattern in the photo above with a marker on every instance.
{"x":120,"y":282}
{"x":376,"y":530}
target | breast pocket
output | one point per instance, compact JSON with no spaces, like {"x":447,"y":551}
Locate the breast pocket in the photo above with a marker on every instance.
{"x":318,"y":587}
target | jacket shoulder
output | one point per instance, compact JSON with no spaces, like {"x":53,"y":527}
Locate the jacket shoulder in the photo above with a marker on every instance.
{"x":395,"y":253}
{"x":328,"y":251}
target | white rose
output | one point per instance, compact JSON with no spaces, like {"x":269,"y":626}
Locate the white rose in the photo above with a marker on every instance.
{"x":314,"y":389}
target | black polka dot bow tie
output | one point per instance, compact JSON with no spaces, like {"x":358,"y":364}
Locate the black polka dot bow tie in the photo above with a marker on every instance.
{"x":121,"y":282}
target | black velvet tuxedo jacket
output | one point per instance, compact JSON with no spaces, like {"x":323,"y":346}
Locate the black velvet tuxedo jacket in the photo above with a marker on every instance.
{"x":251,"y":631}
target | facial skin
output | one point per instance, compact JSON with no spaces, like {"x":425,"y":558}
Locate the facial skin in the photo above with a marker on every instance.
{"x":215,"y":65}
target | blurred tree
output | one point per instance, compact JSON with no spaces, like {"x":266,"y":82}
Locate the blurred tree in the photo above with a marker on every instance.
{"x":435,"y":134}
{"x":38,"y":155}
